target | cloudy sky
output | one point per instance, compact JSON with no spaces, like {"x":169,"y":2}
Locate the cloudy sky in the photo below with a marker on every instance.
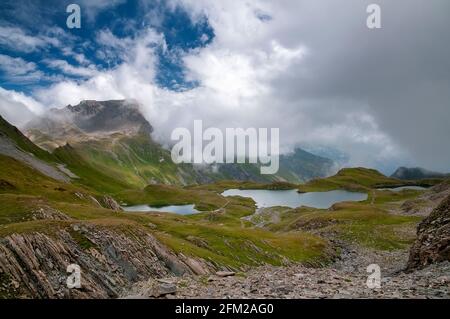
{"x":310,"y":67}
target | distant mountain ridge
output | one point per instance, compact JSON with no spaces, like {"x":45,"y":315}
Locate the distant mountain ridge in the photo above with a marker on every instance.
{"x":414,"y":173}
{"x":115,"y":138}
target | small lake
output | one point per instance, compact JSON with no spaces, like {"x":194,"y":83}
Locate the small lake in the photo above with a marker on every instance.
{"x":291,"y":198}
{"x":399,"y":189}
{"x":176,"y":209}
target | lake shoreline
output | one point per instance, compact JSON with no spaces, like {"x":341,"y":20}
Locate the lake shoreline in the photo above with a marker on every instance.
{"x":292,"y":199}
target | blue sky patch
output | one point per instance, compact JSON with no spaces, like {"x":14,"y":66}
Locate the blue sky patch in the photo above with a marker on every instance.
{"x":53,"y":47}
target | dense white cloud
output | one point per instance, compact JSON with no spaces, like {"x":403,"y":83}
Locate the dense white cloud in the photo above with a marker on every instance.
{"x":311,"y":68}
{"x":18,"y":108}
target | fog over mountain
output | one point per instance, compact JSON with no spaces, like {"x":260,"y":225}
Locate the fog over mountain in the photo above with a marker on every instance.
{"x":311,"y":68}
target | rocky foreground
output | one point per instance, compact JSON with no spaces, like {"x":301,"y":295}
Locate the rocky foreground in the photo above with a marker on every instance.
{"x":346,"y":278}
{"x":34,"y":265}
{"x":299,"y":282}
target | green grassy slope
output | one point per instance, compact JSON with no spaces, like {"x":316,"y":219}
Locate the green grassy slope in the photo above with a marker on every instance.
{"x":136,"y":160}
{"x":20,"y":179}
{"x":160,"y":195}
{"x":357,"y":179}
{"x":141,"y":161}
{"x":368,"y":223}
{"x":357,"y":223}
{"x":23,"y":142}
{"x":95,"y":178}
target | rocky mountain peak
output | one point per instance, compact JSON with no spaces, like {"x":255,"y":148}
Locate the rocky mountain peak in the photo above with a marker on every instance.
{"x":108,"y":116}
{"x":86,"y":107}
{"x":90,"y":116}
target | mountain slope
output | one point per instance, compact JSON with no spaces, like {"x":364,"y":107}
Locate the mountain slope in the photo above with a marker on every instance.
{"x":64,"y":164}
{"x":113,"y":137}
{"x":13,"y":133}
{"x":302,"y":165}
{"x":413,"y":173}
{"x":15,"y":145}
{"x":88,"y":175}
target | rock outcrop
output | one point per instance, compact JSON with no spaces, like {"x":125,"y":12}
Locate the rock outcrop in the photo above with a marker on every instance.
{"x":34,"y":265}
{"x":433,"y":238}
{"x":109,"y":202}
{"x":299,"y":282}
{"x":428,"y":201}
